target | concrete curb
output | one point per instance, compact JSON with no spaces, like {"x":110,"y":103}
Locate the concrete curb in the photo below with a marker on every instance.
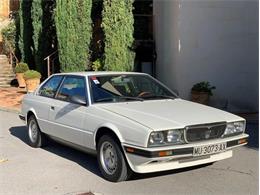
{"x":10,"y":110}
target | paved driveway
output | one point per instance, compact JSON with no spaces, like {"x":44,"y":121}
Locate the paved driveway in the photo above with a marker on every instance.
{"x":57,"y":169}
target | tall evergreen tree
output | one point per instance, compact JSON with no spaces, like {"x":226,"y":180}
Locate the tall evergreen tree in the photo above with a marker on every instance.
{"x":118,"y":27}
{"x":37,"y":21}
{"x":74,"y":31}
{"x":25,"y":38}
{"x":44,"y":33}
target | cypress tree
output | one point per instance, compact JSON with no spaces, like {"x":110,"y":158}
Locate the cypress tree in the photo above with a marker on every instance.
{"x":118,"y":27}
{"x":25,"y":38}
{"x":74,"y":30}
{"x":37,"y":18}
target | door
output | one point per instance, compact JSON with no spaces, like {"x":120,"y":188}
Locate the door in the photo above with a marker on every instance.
{"x":43,"y":101}
{"x":68,"y":117}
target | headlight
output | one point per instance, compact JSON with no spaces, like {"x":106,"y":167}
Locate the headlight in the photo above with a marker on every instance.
{"x":156,"y":138}
{"x":161,"y":138}
{"x":234,"y":128}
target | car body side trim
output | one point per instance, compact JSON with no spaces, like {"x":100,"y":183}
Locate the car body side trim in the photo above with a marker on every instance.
{"x":84,"y":131}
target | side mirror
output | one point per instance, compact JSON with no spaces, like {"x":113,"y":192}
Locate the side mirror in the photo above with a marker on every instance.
{"x":76,"y":99}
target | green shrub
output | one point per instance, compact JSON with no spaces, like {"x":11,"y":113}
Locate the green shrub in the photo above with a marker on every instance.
{"x":97,"y":65}
{"x":203,"y":87}
{"x":32,"y":74}
{"x":9,"y":36}
{"x":117,"y":24}
{"x":21,"y":67}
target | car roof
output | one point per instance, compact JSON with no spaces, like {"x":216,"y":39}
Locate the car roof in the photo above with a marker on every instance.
{"x":98,"y":73}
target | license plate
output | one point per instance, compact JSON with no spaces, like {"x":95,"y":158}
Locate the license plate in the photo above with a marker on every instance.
{"x":209,"y":149}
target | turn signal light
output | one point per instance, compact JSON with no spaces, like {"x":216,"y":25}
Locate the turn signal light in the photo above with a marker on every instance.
{"x":165,"y":153}
{"x":242,"y":141}
{"x":130,"y":150}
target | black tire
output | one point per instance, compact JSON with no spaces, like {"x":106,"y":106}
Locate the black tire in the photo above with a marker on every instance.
{"x":121,"y":171}
{"x":36,"y":138}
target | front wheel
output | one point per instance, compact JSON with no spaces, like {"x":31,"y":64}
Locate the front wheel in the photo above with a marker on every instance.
{"x":111,"y":160}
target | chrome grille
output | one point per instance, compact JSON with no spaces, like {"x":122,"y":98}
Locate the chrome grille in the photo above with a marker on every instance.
{"x":205,"y":132}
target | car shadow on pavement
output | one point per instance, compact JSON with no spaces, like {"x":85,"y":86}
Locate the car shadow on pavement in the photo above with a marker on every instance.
{"x":137,"y":176}
{"x":85,"y":160}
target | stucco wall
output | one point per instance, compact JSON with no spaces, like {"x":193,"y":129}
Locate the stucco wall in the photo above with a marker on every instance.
{"x":4,"y":8}
{"x":214,"y":41}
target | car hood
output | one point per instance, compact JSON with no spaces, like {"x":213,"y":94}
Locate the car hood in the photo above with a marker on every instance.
{"x":168,"y":114}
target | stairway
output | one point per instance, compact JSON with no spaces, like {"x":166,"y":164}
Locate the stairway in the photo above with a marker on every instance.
{"x":6,"y":72}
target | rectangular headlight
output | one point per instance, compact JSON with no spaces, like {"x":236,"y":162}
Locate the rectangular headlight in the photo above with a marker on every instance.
{"x":234,"y":128}
{"x":160,"y":138}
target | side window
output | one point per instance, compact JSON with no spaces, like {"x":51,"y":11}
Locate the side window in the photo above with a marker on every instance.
{"x":72,"y":86}
{"x":49,"y":89}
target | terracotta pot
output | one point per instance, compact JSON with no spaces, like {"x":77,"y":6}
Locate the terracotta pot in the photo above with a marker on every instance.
{"x":32,"y":84}
{"x":20,"y":79}
{"x":200,"y":97}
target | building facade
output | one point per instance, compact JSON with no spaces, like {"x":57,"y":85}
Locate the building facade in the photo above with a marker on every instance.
{"x":7,"y":6}
{"x":215,"y":41}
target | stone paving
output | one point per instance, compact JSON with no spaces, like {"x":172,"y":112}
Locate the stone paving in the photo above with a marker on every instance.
{"x":11,"y":97}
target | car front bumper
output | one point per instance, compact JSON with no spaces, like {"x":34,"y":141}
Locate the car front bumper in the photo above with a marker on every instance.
{"x":146,"y":160}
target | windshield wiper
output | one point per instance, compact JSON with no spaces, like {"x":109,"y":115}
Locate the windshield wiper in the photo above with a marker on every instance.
{"x":105,"y":99}
{"x":131,"y":98}
{"x":160,"y":96}
{"x":119,"y":97}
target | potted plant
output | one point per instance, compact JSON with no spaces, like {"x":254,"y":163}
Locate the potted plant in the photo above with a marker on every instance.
{"x":32,"y":80}
{"x":201,"y":92}
{"x":20,"y":69}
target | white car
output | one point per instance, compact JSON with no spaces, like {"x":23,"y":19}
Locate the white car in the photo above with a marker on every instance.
{"x":131,"y":121}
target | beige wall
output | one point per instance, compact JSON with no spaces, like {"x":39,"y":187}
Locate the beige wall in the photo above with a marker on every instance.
{"x":4,"y":8}
{"x":214,"y":40}
{"x":8,"y":5}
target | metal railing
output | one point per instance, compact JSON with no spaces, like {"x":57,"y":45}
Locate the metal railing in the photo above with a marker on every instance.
{"x":50,"y":62}
{"x":13,"y":60}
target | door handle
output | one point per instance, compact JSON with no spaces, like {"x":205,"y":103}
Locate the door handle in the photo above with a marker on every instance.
{"x":52,"y":108}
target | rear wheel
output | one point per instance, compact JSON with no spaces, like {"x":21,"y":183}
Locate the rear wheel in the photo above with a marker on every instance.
{"x":111,"y":160}
{"x":36,"y":137}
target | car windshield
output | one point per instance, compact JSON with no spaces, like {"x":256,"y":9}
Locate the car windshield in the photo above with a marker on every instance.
{"x":118,"y":88}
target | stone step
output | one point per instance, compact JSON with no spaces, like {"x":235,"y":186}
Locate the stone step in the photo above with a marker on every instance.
{"x":6,"y":72}
{"x":3,"y":74}
{"x":6,"y":69}
{"x":6,"y":79}
{"x":5,"y":85}
{"x":4,"y":64}
{"x":3,"y":57}
{"x":4,"y":61}
{"x":10,"y":69}
{"x":7,"y":76}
